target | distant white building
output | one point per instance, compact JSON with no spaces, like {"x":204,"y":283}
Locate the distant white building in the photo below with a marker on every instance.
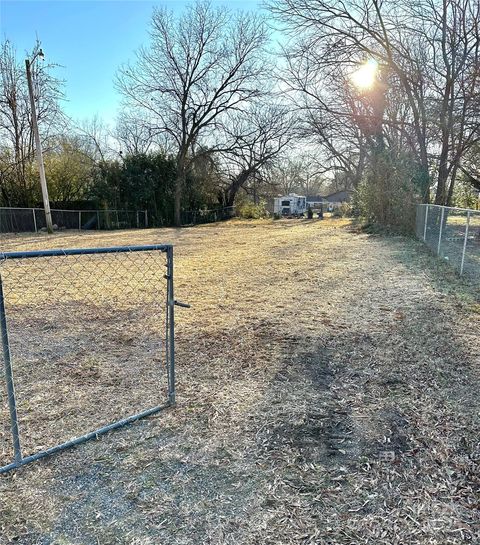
{"x":290,"y":205}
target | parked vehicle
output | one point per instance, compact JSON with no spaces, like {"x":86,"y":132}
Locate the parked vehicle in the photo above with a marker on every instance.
{"x":290,"y":205}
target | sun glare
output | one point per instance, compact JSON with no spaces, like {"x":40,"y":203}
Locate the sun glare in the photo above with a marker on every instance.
{"x":364,"y":77}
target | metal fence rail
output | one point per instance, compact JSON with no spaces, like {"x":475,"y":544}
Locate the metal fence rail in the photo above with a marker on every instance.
{"x":88,"y":341}
{"x":453,"y":234}
{"x":21,"y":220}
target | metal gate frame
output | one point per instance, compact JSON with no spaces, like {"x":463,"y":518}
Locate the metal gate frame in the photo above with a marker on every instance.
{"x":19,"y":459}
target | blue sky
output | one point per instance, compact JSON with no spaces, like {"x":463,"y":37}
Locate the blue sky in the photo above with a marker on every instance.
{"x":90,"y":39}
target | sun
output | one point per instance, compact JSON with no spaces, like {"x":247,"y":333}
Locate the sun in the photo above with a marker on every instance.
{"x":365,"y":76}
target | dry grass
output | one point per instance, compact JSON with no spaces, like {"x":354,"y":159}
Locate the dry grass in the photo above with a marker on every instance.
{"x":328,"y":394}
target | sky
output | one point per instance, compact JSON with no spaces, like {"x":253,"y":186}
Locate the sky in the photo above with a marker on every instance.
{"x":90,"y":39}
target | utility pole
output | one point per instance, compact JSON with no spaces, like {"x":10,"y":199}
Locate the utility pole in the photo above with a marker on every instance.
{"x":38,"y":146}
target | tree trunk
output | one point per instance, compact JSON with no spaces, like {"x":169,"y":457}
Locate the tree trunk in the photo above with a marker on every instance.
{"x":179,"y":182}
{"x":360,"y":167}
{"x":440,"y":197}
{"x":424,"y":183}
{"x":179,"y":185}
{"x":237,"y":183}
{"x":230,"y":197}
{"x":446,"y":123}
{"x":453,"y":176}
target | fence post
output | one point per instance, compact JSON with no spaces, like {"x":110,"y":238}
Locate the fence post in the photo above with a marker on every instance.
{"x":465,"y":243}
{"x":34,"y":220}
{"x":146,"y":219}
{"x":98,"y":220}
{"x":170,"y":327}
{"x":79,"y":220}
{"x":426,"y":223}
{"x":12,"y":404}
{"x":138,"y":221}
{"x":441,"y":229}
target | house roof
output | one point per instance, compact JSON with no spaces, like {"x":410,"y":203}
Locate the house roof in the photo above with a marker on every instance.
{"x":326,"y":198}
{"x":337,"y":192}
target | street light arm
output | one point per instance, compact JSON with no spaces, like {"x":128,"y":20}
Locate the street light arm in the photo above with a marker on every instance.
{"x":39,"y":53}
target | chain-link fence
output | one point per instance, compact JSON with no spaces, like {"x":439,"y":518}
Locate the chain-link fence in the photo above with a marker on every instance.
{"x":22,"y":220}
{"x":88,"y":344}
{"x":195,"y":217}
{"x":453,"y":234}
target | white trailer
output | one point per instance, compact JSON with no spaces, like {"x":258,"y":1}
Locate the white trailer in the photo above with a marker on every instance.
{"x":290,"y":205}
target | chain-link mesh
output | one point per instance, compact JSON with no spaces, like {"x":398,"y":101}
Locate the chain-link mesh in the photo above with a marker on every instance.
{"x":471,"y":264}
{"x":453,"y":234}
{"x":88,"y":343}
{"x":420,"y":222}
{"x":196,"y":217}
{"x":17,"y":220}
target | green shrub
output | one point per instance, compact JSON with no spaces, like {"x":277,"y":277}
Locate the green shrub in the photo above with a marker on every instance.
{"x":465,"y":196}
{"x":345,"y":210}
{"x":249,"y":210}
{"x":389,"y":192}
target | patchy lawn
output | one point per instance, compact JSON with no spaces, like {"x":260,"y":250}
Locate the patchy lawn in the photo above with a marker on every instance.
{"x":328,"y":393}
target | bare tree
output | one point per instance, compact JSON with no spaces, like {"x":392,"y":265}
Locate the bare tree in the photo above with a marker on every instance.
{"x":470,"y":167}
{"x":285,"y":174}
{"x":330,"y":115}
{"x":428,"y":57}
{"x":95,"y":139}
{"x":334,"y":39}
{"x":312,"y":180}
{"x":254,"y":139}
{"x":296,"y":172}
{"x":134,"y":134}
{"x":455,"y":39}
{"x":198,"y":66}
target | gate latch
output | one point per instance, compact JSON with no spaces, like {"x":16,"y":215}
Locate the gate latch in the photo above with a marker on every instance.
{"x":180,"y":304}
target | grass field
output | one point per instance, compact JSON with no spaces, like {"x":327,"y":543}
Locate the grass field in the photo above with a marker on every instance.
{"x":328,"y":393}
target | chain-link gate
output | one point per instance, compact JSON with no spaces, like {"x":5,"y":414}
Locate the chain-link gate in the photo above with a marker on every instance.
{"x":88,"y":343}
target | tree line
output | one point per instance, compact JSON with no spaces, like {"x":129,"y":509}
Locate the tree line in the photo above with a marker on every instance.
{"x":414,"y":135}
{"x":213,"y":112}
